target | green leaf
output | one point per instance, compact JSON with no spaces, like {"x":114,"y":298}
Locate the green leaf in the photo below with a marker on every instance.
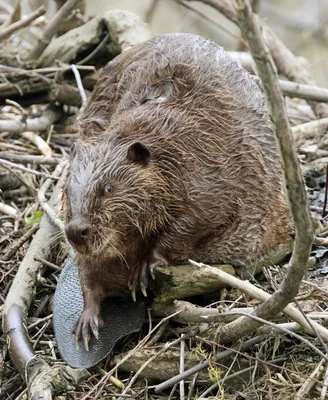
{"x":35,"y":218}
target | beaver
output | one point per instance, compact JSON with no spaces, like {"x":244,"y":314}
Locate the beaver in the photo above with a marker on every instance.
{"x":176,"y":159}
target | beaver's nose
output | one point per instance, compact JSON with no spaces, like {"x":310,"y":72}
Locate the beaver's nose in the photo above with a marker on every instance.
{"x":77,"y":232}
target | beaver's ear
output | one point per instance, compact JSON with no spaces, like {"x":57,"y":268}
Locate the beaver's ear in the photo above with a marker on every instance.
{"x":138,"y":153}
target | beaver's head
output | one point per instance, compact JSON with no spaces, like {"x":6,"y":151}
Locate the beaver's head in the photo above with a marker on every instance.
{"x":113,"y":197}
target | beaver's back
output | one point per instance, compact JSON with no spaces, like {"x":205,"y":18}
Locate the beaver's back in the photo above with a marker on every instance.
{"x":126,"y":82}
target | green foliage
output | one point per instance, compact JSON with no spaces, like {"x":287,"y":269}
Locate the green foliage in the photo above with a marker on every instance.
{"x":35,"y":218}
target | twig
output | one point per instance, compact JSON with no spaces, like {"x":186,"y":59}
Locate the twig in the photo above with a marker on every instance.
{"x":188,"y":313}
{"x":79,"y":85}
{"x":48,"y":264}
{"x":42,"y":123}
{"x":104,"y":379}
{"x":321,"y":289}
{"x":325,"y":386}
{"x":182,"y":356}
{"x":80,"y":63}
{"x":51,"y":30}
{"x":37,"y":140}
{"x":25,"y":169}
{"x":28,"y":159}
{"x":293,"y":179}
{"x":284,"y":330}
{"x":6,"y":32}
{"x":205,"y":364}
{"x":18,"y":107}
{"x":246,"y":287}
{"x":151,"y":11}
{"x":8,"y":210}
{"x":192,"y":386}
{"x":209,"y":19}
{"x":42,"y":195}
{"x":326,"y":192}
{"x":301,"y":90}
{"x":64,"y":68}
{"x":161,"y":351}
{"x":310,"y":382}
{"x":221,"y":381}
{"x":313,"y":327}
{"x":309,"y":129}
{"x":18,"y":244}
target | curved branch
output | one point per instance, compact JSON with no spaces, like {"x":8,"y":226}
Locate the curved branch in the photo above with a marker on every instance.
{"x":296,"y":193}
{"x":43,"y":379}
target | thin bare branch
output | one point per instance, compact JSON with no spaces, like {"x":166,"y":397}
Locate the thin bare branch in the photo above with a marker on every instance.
{"x":9,"y":30}
{"x":51,"y":30}
{"x":296,"y":193}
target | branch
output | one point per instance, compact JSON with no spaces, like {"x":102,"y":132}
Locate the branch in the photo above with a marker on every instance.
{"x":170,"y":283}
{"x":50,"y":30}
{"x":60,"y":170}
{"x":296,"y":193}
{"x":309,"y":129}
{"x":205,"y":364}
{"x":42,"y":379}
{"x":42,"y":123}
{"x":300,"y":90}
{"x":6,"y":32}
{"x":125,"y":29}
{"x":28,"y":159}
{"x":286,"y":62}
{"x":246,"y":287}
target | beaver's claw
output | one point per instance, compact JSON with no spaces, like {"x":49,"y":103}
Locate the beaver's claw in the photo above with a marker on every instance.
{"x":89,"y":321}
{"x":140,"y":273}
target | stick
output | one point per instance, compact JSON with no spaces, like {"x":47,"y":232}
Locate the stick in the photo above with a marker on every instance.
{"x":8,"y":210}
{"x":205,"y":364}
{"x":79,"y":85}
{"x":287,"y":63}
{"x":51,"y":30}
{"x":182,"y":367}
{"x":6,"y":32}
{"x":28,"y":159}
{"x":19,"y":243}
{"x":324,"y":386}
{"x":309,"y":129}
{"x":284,"y":330}
{"x":293,"y":179}
{"x":301,"y":90}
{"x":209,"y":19}
{"x":259,"y":294}
{"x":42,"y":123}
{"x":310,"y":382}
{"x":37,"y":140}
{"x":42,"y":195}
{"x":9,"y":164}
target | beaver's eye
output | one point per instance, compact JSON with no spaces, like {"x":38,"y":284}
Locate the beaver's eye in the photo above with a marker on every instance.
{"x":108,"y":189}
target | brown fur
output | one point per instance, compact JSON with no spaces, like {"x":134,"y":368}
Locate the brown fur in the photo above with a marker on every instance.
{"x":213,"y":188}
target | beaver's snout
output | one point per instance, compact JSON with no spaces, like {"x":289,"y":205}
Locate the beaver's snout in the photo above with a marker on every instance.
{"x":77,"y":232}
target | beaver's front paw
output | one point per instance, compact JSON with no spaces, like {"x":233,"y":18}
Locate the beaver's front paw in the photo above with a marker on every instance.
{"x":140,"y":273}
{"x":89,"y":321}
